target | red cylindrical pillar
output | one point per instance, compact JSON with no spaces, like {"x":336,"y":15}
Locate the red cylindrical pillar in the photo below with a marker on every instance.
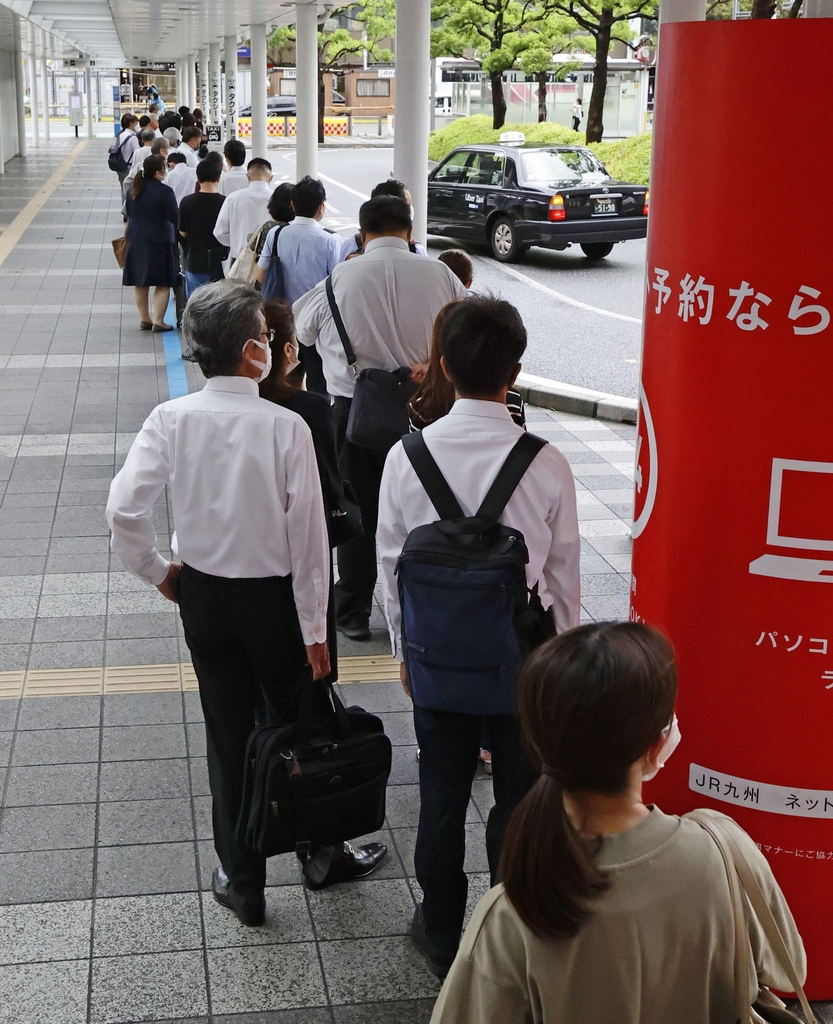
{"x":733,"y":552}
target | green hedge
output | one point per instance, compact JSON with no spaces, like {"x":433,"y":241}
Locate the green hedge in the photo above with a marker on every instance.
{"x":628,"y":159}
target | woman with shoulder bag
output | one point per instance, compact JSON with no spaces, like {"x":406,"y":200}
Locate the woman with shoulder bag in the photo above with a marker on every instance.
{"x":611,"y":912}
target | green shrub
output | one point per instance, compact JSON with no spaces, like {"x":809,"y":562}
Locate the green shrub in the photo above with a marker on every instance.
{"x":627,"y":159}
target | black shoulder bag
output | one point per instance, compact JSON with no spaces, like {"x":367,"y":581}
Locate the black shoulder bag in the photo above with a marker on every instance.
{"x":379,"y":410}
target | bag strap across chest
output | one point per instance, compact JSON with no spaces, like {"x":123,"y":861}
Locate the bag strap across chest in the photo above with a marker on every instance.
{"x":517,"y":462}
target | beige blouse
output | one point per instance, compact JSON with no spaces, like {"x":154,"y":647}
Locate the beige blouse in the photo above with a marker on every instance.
{"x":658,"y":950}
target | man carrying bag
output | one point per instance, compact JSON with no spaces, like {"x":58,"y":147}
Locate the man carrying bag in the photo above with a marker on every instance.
{"x":386,"y":302}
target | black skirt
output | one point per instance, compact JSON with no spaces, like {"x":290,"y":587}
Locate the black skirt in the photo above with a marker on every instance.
{"x":149,"y":264}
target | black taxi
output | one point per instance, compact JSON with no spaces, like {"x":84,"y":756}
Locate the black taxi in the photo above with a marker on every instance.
{"x":515,"y":195}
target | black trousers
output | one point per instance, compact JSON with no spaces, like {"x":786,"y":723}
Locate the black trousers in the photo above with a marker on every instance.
{"x":449,"y":746}
{"x":248,"y":654}
{"x":312,"y":367}
{"x":362,"y":467}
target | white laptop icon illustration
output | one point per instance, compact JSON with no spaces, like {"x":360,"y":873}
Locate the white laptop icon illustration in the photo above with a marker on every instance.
{"x":800,"y":517}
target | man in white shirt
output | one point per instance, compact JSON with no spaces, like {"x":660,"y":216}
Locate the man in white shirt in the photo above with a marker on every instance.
{"x":307,"y":254}
{"x":390,"y":187}
{"x":181,"y":178}
{"x":245,"y":210}
{"x":253,"y":576}
{"x":157,"y":147}
{"x":191,"y":139}
{"x":482,"y":342}
{"x":234,"y":176}
{"x":388,"y":301}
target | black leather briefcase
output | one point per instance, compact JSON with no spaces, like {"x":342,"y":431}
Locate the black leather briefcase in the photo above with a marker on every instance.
{"x":317,"y":782}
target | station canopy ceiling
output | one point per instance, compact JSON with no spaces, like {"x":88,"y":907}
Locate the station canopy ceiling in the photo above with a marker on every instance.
{"x":120,"y":33}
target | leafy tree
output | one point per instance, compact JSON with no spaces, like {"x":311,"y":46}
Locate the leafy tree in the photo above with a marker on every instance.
{"x":498,"y":31}
{"x":605,"y":20}
{"x":553,"y":34}
{"x":377,"y":19}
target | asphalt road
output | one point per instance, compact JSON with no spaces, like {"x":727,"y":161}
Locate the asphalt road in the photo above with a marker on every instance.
{"x":583,"y":318}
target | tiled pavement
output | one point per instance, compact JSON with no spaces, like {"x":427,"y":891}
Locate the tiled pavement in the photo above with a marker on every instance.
{"x":105,"y":833}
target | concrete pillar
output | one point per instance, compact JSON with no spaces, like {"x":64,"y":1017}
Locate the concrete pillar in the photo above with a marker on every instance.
{"x":20,"y":88}
{"x":682,"y":10}
{"x":214,"y":82}
{"x":178,"y":83}
{"x":33,"y":86}
{"x":46,"y":96}
{"x":88,"y":86}
{"x":230,"y":56}
{"x":203,"y":83}
{"x":189,"y":93}
{"x":306,"y":61}
{"x":413,"y":88}
{"x":818,"y":8}
{"x":260,"y":87}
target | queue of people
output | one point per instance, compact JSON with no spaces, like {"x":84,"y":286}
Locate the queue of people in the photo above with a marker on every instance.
{"x":602,"y":907}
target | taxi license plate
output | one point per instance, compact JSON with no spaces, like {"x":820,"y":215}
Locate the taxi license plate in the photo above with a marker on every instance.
{"x":604,"y":206}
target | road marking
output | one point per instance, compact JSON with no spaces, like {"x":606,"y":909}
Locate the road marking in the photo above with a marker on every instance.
{"x":14,"y":232}
{"x":174,"y":366}
{"x":560,"y":296}
{"x":341,"y":185}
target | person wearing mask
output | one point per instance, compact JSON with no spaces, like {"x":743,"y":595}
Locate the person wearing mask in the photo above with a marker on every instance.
{"x":481,"y":343}
{"x":191,"y":138}
{"x":128,"y":143}
{"x":234,"y":177}
{"x":352,"y":246}
{"x":198,"y":214}
{"x":150,"y":259}
{"x":181,"y":178}
{"x":609,"y":909}
{"x":307,"y":254}
{"x":388,"y":301}
{"x":245,"y":210}
{"x":153,"y":114}
{"x":253,"y":559}
{"x":141,"y":152}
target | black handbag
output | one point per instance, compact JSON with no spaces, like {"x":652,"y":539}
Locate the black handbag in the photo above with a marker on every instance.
{"x":345,"y":522}
{"x":378,"y":415}
{"x":317,"y":782}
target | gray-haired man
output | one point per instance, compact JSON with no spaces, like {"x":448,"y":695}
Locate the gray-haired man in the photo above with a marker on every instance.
{"x":253,"y":578}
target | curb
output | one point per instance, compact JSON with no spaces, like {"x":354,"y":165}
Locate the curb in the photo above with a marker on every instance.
{"x":555,"y":394}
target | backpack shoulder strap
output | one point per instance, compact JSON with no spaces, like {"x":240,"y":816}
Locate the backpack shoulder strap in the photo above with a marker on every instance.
{"x":511,"y":472}
{"x":435,"y":484}
{"x":342,"y":330}
{"x":275,"y":259}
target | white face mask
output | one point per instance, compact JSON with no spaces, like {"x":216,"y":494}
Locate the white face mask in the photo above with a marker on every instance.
{"x":265,"y":368}
{"x":292,"y":361}
{"x":671,"y":734}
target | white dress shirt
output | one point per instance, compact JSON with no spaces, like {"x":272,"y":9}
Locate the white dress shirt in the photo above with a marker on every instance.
{"x":245,"y":492}
{"x":388,"y":300}
{"x":307,"y":253}
{"x":136,"y":161}
{"x":350,"y":245}
{"x":233,"y":180}
{"x":192,"y":157}
{"x":129,"y":142}
{"x":183,"y":180}
{"x":470,"y":445}
{"x":242,"y":213}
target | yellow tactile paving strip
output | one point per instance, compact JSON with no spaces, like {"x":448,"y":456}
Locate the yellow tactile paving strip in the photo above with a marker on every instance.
{"x":68,"y":682}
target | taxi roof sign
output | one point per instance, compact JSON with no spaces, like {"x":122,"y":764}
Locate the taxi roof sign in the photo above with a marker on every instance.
{"x":513,"y":138}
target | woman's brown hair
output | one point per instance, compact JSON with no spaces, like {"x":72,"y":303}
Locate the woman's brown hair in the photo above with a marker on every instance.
{"x":435,"y":396}
{"x":591,"y":703}
{"x":149,"y":169}
{"x":278,"y":315}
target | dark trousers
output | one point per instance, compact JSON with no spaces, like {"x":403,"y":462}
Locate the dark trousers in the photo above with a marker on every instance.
{"x":362,"y":467}
{"x":449,"y":746}
{"x":248,"y":653}
{"x":576,"y":123}
{"x":312,"y":367}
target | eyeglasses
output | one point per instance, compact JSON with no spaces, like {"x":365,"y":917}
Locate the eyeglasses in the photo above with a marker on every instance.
{"x":268,"y":335}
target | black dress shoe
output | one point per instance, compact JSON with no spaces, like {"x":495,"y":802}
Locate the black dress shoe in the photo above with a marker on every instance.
{"x":438,"y":963}
{"x":360,"y":633}
{"x":352,"y":862}
{"x":250,"y":908}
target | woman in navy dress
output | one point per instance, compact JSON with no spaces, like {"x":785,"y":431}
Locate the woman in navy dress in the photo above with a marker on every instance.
{"x":151,"y":258}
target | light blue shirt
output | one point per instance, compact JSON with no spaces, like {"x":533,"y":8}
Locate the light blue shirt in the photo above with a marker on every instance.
{"x":349,"y":246}
{"x":307,"y":252}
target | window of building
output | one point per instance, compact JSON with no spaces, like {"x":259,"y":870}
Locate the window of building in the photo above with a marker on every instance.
{"x":289,"y":87}
{"x":373,"y":87}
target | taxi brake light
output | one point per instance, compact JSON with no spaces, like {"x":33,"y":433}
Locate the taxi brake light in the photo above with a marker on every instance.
{"x":647,"y":203}
{"x":557,"y":211}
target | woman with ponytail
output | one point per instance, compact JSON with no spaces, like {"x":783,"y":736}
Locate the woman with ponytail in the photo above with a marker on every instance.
{"x":151,"y":258}
{"x":610,"y":911}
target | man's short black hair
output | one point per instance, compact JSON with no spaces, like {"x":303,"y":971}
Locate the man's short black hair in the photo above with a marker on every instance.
{"x":391,"y":187}
{"x":235,"y":152}
{"x":482,"y":341}
{"x":385,"y":215}
{"x":144,"y":121}
{"x":307,"y":195}
{"x":176,"y":158}
{"x":170,"y":119}
{"x":258,"y":161}
{"x":209,"y":170}
{"x":183,"y":110}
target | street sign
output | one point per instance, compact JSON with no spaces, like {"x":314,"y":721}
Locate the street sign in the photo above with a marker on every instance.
{"x":76,"y":109}
{"x":386,"y":73}
{"x":214,"y":132}
{"x":290,"y":72}
{"x":244,"y":51}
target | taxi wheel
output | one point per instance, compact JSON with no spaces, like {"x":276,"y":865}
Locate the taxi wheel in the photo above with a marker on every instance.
{"x":597,"y":250}
{"x":506,"y":246}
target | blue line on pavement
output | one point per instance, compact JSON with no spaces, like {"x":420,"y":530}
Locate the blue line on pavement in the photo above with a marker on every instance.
{"x":177,"y":379}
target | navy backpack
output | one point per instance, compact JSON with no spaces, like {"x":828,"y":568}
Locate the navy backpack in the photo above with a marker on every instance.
{"x":468,"y":617}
